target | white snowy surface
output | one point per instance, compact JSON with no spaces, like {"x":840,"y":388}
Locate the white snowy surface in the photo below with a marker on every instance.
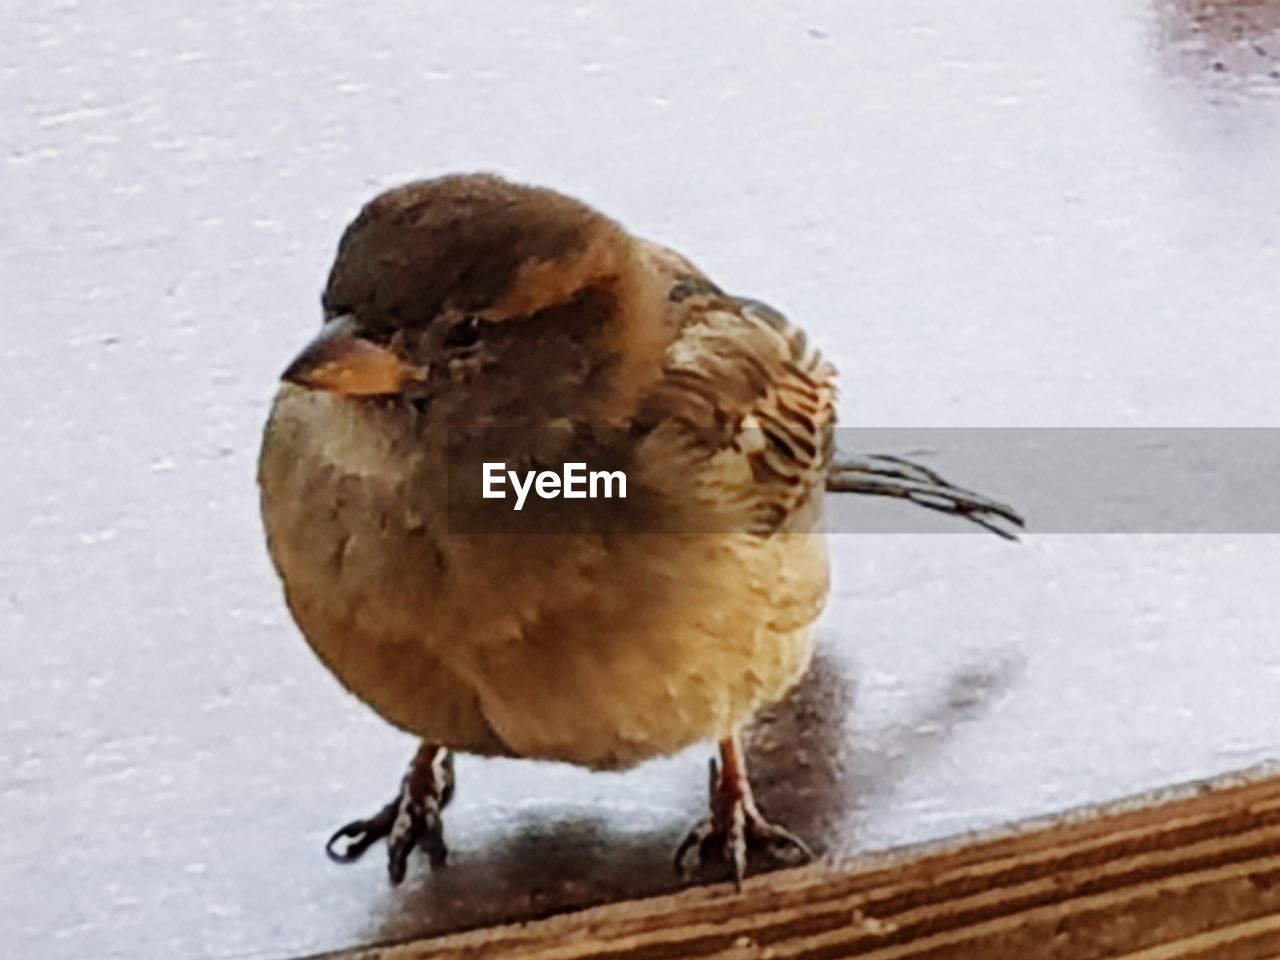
{"x":988,"y":214}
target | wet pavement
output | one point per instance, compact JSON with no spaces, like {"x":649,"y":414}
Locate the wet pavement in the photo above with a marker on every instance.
{"x":989,"y":214}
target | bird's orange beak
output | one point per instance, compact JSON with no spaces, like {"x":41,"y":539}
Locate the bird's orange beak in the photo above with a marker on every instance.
{"x":340,"y":361}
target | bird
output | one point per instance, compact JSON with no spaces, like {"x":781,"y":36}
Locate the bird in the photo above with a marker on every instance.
{"x":472,"y":320}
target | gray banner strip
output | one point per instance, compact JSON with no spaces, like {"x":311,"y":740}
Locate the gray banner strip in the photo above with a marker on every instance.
{"x":1061,"y":480}
{"x":1084,"y":480}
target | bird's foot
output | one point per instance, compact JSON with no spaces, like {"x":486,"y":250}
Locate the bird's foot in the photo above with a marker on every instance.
{"x":412,"y":819}
{"x":736,"y":836}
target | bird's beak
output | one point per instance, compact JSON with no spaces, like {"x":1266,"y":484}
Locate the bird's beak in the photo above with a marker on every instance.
{"x":342,"y":362}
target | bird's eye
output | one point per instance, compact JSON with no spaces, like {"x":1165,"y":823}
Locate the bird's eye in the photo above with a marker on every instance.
{"x":465,"y":333}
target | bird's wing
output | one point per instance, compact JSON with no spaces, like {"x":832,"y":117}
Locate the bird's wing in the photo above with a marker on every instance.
{"x":743,"y":414}
{"x":750,"y":411}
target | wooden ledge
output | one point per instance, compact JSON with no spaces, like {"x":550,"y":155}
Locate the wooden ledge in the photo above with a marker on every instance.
{"x":1185,"y":874}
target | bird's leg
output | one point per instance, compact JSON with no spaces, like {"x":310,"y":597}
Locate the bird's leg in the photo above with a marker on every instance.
{"x":736,"y":832}
{"x":411,"y":819}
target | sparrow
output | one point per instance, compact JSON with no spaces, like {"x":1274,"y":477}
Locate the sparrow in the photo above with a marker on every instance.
{"x":468,"y":320}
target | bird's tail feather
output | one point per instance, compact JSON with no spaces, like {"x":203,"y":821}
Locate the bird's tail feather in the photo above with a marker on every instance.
{"x":889,"y":476}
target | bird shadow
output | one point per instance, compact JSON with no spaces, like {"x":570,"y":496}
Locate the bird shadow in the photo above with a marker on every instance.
{"x":810,"y":768}
{"x":815,"y":771}
{"x":541,"y":867}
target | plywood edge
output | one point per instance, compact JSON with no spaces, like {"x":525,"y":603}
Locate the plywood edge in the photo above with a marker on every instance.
{"x":1186,"y":873}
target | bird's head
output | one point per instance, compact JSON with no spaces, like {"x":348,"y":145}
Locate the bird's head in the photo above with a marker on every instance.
{"x":480,"y":298}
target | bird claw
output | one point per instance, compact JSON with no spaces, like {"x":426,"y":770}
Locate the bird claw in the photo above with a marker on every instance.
{"x":362,"y":833}
{"x":736,"y":837}
{"x":412,"y":819}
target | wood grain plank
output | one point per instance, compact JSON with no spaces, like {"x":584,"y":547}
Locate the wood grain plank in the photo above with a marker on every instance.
{"x":1191,"y":873}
